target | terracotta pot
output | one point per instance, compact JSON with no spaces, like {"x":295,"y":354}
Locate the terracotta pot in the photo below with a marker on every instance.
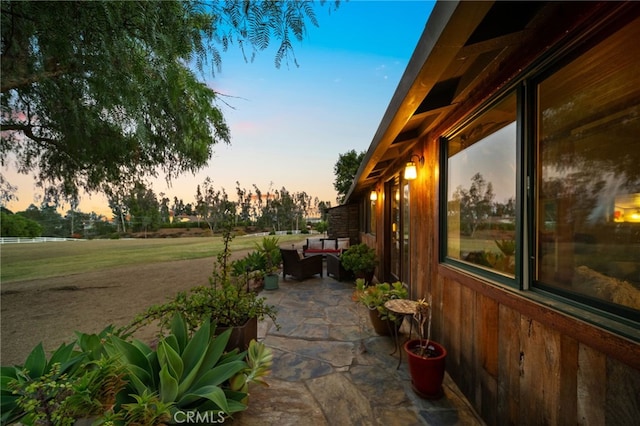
{"x":241,"y":335}
{"x":382,"y":327}
{"x":427,"y":374}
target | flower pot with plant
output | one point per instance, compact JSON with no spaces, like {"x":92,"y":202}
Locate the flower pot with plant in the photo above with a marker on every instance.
{"x":251,"y":268}
{"x":361,"y":260}
{"x":226,"y":301}
{"x":374,"y":298}
{"x":269,"y":248}
{"x":426,"y":357}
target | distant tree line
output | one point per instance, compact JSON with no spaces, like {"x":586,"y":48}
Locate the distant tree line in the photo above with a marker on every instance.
{"x":141,"y":210}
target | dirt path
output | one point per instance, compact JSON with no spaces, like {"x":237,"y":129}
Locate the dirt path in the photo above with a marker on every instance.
{"x":50,"y":310}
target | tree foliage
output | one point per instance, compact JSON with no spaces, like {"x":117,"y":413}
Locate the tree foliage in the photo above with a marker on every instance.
{"x":212,"y":205}
{"x":15,"y":225}
{"x":476,"y":203}
{"x":97,"y":94}
{"x":345,"y":171}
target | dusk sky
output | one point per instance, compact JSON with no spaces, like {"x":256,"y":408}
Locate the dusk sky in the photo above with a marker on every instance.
{"x":289,"y":125}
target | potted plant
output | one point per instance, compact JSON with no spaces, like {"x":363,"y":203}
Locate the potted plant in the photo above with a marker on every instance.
{"x":374,"y":298}
{"x":269,"y":248}
{"x":426,"y":357}
{"x":252,"y":268}
{"x":361,"y":260}
{"x":226,"y":301}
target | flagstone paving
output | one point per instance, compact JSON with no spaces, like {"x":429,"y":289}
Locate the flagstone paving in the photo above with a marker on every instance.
{"x":330,"y":368}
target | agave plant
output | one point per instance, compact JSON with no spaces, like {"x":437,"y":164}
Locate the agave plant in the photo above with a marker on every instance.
{"x":39,"y":389}
{"x":190,"y":373}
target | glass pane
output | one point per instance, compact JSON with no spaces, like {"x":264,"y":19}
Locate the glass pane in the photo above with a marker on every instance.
{"x":481,"y":190}
{"x":394,"y":200}
{"x":405,"y":233}
{"x":588,"y":184}
{"x":372,"y":217}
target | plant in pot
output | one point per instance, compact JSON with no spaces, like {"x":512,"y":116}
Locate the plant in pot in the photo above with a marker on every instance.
{"x":374,"y":297}
{"x":269,"y":248}
{"x":426,"y":357}
{"x":361,"y":260}
{"x":226,"y":300}
{"x":251,"y":267}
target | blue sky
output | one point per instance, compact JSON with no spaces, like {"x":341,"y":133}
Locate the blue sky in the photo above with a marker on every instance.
{"x":289,"y":125}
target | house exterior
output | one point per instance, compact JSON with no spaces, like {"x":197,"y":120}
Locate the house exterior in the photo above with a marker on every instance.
{"x":522,"y":120}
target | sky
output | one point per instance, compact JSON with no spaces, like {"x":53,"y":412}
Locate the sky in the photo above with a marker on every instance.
{"x":289,"y":125}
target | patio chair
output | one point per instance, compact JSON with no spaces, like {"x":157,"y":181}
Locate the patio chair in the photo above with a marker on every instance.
{"x":299,"y":267}
{"x":335,"y":268}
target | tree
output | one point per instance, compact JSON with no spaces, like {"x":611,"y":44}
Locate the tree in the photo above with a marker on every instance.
{"x":475,"y":204}
{"x":101,"y":94}
{"x":323,"y":207}
{"x":16,"y":225}
{"x":143,"y":207}
{"x":213,"y":206}
{"x":345,"y":171}
{"x":52,"y":222}
{"x":246,"y":210}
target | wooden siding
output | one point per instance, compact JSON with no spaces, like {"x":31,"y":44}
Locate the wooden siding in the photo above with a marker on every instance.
{"x":517,"y":361}
{"x":516,"y":370}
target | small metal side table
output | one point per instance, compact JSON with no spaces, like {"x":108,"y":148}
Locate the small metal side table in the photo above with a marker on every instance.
{"x":402,"y":308}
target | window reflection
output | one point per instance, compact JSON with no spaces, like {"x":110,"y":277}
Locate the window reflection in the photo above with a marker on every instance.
{"x":588,"y":210}
{"x":481,"y":190}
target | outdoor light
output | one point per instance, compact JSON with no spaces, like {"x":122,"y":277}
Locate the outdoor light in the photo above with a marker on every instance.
{"x":410,"y":171}
{"x":373,"y":196}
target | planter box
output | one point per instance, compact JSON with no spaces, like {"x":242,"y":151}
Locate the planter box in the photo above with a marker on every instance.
{"x":241,"y":335}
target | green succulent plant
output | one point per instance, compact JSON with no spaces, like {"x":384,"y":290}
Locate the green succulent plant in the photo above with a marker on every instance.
{"x":375,"y":296}
{"x":189,"y":373}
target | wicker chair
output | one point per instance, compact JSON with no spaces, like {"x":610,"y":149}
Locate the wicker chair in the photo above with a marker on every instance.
{"x":299,"y":267}
{"x":335,"y":269}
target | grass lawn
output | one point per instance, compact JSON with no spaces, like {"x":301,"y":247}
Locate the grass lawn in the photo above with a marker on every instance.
{"x":21,"y":262}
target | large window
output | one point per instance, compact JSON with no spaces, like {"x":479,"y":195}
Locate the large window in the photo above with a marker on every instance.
{"x":481,"y":191}
{"x":588,"y":174}
{"x":570,"y":231}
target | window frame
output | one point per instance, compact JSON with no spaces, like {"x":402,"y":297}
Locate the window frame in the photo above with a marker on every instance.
{"x":600,"y":307}
{"x":516,"y":281}
{"x":616,"y":320}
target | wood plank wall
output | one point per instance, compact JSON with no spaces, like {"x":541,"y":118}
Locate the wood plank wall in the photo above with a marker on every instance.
{"x":515,"y":365}
{"x":518,"y":371}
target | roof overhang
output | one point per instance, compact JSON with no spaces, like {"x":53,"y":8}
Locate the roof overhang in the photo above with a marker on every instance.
{"x":468,"y":51}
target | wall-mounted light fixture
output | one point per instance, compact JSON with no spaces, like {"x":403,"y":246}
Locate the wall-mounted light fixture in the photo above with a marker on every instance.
{"x":410,"y":171}
{"x":374,"y":195}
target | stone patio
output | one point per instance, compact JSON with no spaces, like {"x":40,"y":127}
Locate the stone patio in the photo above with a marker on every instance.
{"x":330,"y":368}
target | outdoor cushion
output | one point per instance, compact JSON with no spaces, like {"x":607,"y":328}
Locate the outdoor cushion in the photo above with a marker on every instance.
{"x":314,"y":244}
{"x":343,"y":243}
{"x":328,"y":244}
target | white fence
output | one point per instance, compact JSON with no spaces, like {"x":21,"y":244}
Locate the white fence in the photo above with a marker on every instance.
{"x":266,"y":234}
{"x":21,"y":240}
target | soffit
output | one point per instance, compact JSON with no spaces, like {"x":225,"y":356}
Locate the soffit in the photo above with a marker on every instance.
{"x":464,"y":45}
